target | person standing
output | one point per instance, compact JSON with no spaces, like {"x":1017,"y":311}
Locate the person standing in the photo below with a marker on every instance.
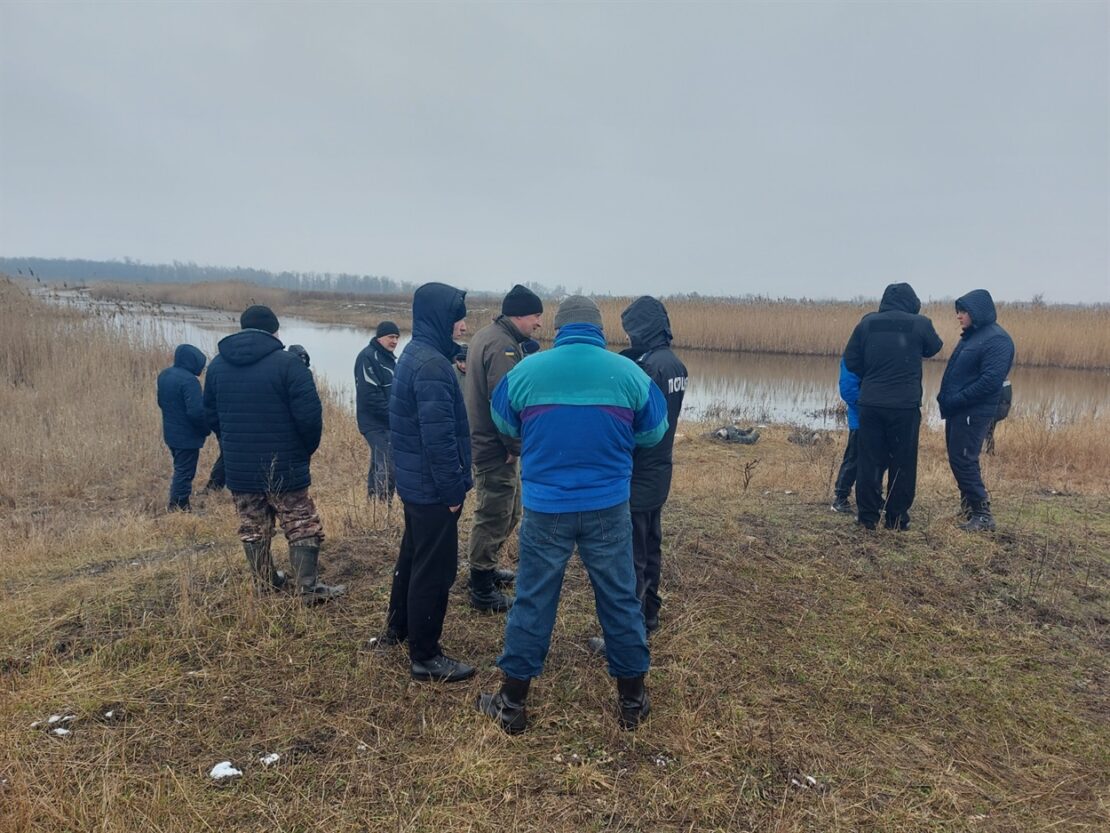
{"x":431,"y":452}
{"x":261,"y":401}
{"x":970,"y":391}
{"x":374,"y":369}
{"x":495,"y":350}
{"x":846,"y":477}
{"x":579,"y":411}
{"x":886,"y":350}
{"x":648,"y":327}
{"x":183,"y":427}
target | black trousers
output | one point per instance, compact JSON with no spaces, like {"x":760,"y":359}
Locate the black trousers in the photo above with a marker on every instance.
{"x":647,"y":555}
{"x":846,"y":478}
{"x":425,"y":570}
{"x":964,"y":437}
{"x":217,"y":479}
{"x":887,"y":442}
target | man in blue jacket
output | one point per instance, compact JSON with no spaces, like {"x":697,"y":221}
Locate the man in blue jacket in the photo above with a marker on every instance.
{"x":261,"y":401}
{"x":580,"y":412}
{"x":431,"y":455}
{"x":846,"y":477}
{"x":183,"y":425}
{"x":374,"y":369}
{"x":969,"y":393}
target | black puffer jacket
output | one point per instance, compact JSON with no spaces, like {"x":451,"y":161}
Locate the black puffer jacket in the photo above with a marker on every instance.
{"x":886,"y":349}
{"x":427,"y":415}
{"x":972,"y":381}
{"x":649,"y":328}
{"x":179,"y":397}
{"x":261,"y":402}
{"x":374,"y":370}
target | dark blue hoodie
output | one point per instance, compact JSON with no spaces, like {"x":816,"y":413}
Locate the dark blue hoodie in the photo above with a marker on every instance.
{"x":261,"y":402}
{"x":427,"y":415}
{"x":179,"y":397}
{"x":972,"y":381}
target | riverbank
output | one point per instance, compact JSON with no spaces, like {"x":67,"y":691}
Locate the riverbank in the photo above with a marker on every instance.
{"x":807,"y":677}
{"x":1047,"y":335}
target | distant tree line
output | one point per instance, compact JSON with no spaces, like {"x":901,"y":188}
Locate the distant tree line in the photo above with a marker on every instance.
{"x":135,"y":271}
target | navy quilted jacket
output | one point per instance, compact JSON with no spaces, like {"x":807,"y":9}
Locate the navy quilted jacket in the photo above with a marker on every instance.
{"x":179,"y":397}
{"x":427,"y":415}
{"x":261,"y":402}
{"x":972,"y":381}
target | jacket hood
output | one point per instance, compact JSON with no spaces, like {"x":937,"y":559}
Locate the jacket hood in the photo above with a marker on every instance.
{"x":435,"y":309}
{"x":580,"y":333}
{"x":248,"y":346}
{"x":980,"y":304}
{"x":900,"y":296}
{"x":647,"y":324}
{"x":190,"y":358}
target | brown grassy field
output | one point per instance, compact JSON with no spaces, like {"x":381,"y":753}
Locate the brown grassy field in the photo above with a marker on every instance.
{"x":929,"y":680}
{"x":1046,"y":335}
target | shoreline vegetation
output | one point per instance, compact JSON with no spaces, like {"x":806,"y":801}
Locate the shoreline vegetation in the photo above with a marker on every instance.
{"x":807,"y":676}
{"x":1047,"y":335}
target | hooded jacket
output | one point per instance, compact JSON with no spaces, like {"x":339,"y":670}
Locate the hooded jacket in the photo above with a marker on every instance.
{"x":494,"y":351}
{"x":261,"y":401}
{"x":427,"y":416}
{"x":887,"y":347}
{"x":972,"y":381}
{"x":374,"y":369}
{"x":648,"y":327}
{"x":180,"y":399}
{"x":579,"y":411}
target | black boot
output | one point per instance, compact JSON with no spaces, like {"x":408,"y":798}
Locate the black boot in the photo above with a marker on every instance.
{"x":981,"y":519}
{"x":441,"y":669}
{"x":262,"y":565}
{"x":304,"y":555}
{"x":179,"y":504}
{"x":507,"y":706}
{"x":484,"y":596}
{"x":632,"y":702}
{"x":503,"y":578}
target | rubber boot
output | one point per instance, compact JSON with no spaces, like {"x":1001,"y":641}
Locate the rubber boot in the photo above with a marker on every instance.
{"x":632,"y":702}
{"x":507,"y":706}
{"x":981,"y":519}
{"x":484,"y":596}
{"x":303,"y":555}
{"x":262,"y":566}
{"x":503,"y":578}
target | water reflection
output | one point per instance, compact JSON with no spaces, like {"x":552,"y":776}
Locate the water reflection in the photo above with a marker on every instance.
{"x":751,"y":387}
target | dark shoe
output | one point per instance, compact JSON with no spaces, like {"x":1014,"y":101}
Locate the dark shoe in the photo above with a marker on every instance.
{"x":842,"y":506}
{"x":507,"y":706}
{"x":632,"y":702}
{"x":441,"y":669}
{"x":596,"y":644}
{"x":385,"y":640}
{"x":180,"y":504}
{"x":902,"y":524}
{"x":262,"y":566}
{"x":981,"y":519}
{"x":304,"y":556}
{"x":484,"y":596}
{"x":866,"y":524}
{"x":503,"y":578}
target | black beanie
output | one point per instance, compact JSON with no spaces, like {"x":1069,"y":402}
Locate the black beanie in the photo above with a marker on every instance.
{"x":521,"y":301}
{"x":258,"y":317}
{"x":387,"y":328}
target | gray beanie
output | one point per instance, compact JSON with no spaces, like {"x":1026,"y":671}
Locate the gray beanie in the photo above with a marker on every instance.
{"x":577,"y":309}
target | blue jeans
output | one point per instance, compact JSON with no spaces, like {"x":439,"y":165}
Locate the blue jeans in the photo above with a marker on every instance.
{"x":380,"y":481}
{"x":604,"y":539}
{"x":184,"y":470}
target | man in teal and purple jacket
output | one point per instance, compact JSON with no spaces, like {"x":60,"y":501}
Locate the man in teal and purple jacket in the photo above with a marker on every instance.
{"x":579,"y":411}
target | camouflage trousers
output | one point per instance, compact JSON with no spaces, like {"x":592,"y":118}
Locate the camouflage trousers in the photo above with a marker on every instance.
{"x":295,"y":511}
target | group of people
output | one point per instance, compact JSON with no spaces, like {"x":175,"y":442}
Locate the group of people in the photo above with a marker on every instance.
{"x":880,"y":382}
{"x":572,"y":444}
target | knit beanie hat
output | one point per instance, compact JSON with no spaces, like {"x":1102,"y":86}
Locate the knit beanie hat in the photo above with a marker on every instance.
{"x":521,"y":301}
{"x":258,"y":317}
{"x":577,"y":309}
{"x":460,"y":356}
{"x":387,"y":328}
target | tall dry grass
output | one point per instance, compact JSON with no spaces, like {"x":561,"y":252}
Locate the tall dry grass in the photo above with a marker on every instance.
{"x":223,"y":295}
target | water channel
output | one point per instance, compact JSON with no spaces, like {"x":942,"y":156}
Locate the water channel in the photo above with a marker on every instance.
{"x":741,"y":387}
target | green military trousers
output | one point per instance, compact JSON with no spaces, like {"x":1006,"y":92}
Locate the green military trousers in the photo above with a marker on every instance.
{"x":496,"y":514}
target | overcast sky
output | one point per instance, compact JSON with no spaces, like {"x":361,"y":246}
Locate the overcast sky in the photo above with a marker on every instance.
{"x":816,"y":149}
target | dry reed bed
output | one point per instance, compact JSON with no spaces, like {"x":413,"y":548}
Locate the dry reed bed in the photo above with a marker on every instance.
{"x":1047,"y":335}
{"x":924,"y":681}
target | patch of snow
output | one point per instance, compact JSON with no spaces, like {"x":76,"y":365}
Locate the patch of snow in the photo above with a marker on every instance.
{"x":362,"y":747}
{"x":110,"y":713}
{"x":59,"y":732}
{"x":272,"y":758}
{"x":811,"y":780}
{"x":224,"y":769}
{"x":36,"y":724}
{"x":54,"y":718}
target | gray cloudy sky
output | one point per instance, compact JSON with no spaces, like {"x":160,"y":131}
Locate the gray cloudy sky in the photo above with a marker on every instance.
{"x":820,"y":149}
